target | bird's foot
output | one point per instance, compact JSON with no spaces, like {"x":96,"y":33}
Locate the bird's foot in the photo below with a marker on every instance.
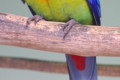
{"x":68,"y":26}
{"x":35,"y":18}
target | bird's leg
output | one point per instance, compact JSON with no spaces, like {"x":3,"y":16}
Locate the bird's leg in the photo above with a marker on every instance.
{"x":68,"y":26}
{"x":35,"y":18}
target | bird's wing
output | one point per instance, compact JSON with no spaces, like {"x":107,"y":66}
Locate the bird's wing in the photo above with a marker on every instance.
{"x":23,"y":1}
{"x":95,"y":9}
{"x":33,"y":13}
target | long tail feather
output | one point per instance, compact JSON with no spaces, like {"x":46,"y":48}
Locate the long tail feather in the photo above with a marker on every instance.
{"x":88,"y":73}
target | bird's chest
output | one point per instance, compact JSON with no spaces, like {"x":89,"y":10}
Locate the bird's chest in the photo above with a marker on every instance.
{"x":61,"y":10}
{"x":49,"y":9}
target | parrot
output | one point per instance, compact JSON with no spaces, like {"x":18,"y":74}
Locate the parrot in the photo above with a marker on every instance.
{"x":85,"y":12}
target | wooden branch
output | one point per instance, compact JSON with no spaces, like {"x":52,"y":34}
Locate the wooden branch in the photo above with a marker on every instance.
{"x":48,"y":36}
{"x":56,"y":67}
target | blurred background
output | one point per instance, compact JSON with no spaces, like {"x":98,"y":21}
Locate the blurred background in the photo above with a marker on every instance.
{"x":110,"y":17}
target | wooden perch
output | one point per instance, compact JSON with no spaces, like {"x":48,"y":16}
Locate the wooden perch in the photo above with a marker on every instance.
{"x":56,"y":67}
{"x":48,"y":36}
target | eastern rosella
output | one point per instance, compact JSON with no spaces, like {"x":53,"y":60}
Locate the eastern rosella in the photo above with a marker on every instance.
{"x":82,"y":11}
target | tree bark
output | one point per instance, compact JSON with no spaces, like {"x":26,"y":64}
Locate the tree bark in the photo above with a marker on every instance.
{"x":48,"y":36}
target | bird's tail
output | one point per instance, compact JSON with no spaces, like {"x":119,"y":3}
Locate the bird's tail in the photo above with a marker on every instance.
{"x":81,"y":68}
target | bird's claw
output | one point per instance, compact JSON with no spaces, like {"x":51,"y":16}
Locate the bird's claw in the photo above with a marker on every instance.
{"x":68,"y":26}
{"x":35,"y":18}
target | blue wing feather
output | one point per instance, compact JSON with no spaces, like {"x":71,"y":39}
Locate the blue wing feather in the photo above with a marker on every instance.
{"x":95,"y":9}
{"x":33,"y":13}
